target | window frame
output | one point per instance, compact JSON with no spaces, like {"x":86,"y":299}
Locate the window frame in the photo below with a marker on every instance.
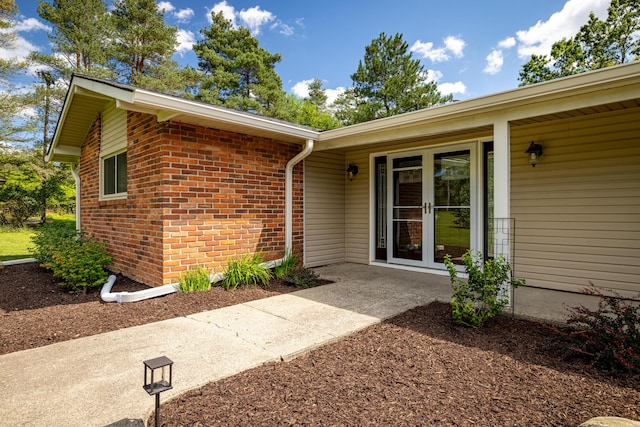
{"x":115,"y":194}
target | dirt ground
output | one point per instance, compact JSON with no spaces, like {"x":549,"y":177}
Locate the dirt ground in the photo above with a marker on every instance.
{"x":415,"y":369}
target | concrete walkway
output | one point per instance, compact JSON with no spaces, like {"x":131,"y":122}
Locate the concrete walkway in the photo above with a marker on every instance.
{"x":97,"y":381}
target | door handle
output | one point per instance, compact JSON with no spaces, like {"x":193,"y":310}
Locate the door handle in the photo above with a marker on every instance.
{"x":427,"y":207}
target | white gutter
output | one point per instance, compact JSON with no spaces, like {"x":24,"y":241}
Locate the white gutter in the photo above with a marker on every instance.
{"x":288,"y":204}
{"x":76,"y":178}
{"x":144,"y":294}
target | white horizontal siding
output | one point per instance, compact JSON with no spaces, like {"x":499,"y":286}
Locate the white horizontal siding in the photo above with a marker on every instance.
{"x":114,"y":130}
{"x":324,"y":180}
{"x":578,"y":212}
{"x":357,"y":214}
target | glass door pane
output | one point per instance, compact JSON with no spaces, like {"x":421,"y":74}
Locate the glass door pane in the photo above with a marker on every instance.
{"x":452,"y":205}
{"x":406,"y":215}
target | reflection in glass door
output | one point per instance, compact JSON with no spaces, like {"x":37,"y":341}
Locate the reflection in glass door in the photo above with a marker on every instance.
{"x":406,"y":219}
{"x":451,"y":205}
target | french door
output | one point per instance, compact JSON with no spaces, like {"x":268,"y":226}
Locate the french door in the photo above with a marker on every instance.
{"x":430,"y":208}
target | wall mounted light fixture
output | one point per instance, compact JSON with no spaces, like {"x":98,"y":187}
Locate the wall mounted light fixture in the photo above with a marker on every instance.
{"x":534,"y":151}
{"x":352,"y":171}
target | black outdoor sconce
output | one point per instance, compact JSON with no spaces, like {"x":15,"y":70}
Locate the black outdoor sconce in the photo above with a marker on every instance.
{"x":352,"y":171}
{"x":158,"y":374}
{"x":534,"y":151}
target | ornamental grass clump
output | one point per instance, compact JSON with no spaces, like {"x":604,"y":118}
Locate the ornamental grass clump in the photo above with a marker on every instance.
{"x":195,"y":280}
{"x":290,"y":263}
{"x":484,"y":294}
{"x":248,"y":270}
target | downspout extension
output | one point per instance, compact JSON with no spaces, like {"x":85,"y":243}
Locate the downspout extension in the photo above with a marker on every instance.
{"x":288,"y":217}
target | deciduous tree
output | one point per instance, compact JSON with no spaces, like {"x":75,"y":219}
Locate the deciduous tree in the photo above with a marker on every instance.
{"x":597,"y":44}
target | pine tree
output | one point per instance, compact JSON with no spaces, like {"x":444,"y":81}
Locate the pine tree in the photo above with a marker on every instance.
{"x":81,"y":30}
{"x":143,"y":40}
{"x":237,"y":72}
{"x":388,"y":81}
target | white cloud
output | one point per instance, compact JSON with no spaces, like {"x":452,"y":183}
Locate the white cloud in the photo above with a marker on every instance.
{"x":451,"y":88}
{"x":434,"y":75}
{"x":333,"y":94}
{"x":455,"y":45}
{"x":186,"y":40}
{"x":494,"y":62}
{"x":254,"y":18}
{"x":301,"y":89}
{"x":228,"y":11}
{"x":166,"y":6}
{"x":507,"y":43}
{"x":427,"y":51}
{"x":285,"y":29}
{"x":452,"y":44}
{"x":31,"y":24}
{"x":18,"y":51}
{"x":184,"y":15}
{"x":539,"y":38}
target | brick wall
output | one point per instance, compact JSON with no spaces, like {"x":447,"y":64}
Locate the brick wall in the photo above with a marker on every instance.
{"x":195,"y":196}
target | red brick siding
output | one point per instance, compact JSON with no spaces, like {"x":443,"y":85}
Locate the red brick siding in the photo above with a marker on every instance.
{"x":195,"y":196}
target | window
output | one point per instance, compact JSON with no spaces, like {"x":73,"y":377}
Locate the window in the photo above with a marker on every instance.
{"x":114,"y":175}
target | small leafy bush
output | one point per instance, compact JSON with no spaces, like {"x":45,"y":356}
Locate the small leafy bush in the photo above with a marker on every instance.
{"x":290,"y":263}
{"x":248,"y":270}
{"x":194,"y":280}
{"x":482,"y":296}
{"x":78,"y":261}
{"x":48,"y":238}
{"x":609,"y":335}
{"x":81,"y":263}
{"x":301,"y":278}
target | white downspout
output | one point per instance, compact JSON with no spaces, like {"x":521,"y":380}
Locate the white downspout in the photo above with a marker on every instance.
{"x":288,"y":205}
{"x":121,"y":297}
{"x":76,"y":178}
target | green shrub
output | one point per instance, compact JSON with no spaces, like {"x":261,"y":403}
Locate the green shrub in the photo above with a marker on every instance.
{"x":194,"y":280}
{"x":482,"y":296}
{"x":301,"y":278}
{"x":17,"y":204}
{"x":290,"y":263}
{"x":610,"y":335}
{"x":81,"y":263}
{"x":246,"y":271}
{"x":48,"y":238}
{"x":78,"y":261}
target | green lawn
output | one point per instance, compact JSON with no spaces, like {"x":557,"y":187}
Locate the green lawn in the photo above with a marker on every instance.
{"x":15,"y":243}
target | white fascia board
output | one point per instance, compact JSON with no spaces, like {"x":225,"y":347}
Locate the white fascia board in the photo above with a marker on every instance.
{"x":80,"y":86}
{"x":169,"y":106}
{"x":626,"y":75}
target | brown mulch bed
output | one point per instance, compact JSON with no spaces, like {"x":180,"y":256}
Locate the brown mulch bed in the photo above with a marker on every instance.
{"x":35,"y":312}
{"x":415,"y":369}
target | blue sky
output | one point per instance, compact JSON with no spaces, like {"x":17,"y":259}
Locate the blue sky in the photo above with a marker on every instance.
{"x":470,"y":47}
